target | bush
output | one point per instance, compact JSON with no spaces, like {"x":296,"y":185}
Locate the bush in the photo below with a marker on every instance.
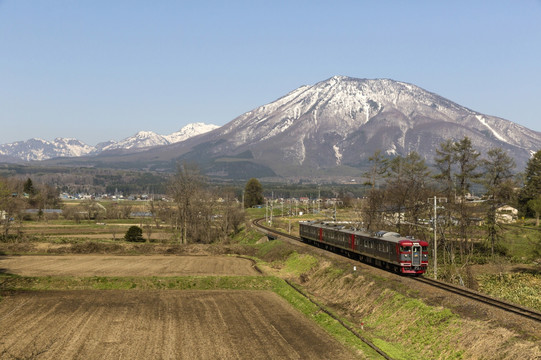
{"x":134,"y":234}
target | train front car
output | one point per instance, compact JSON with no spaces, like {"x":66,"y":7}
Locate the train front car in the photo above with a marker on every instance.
{"x":412,"y":255}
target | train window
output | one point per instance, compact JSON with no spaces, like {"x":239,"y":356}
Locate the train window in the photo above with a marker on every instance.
{"x":405,"y":248}
{"x":425,"y":248}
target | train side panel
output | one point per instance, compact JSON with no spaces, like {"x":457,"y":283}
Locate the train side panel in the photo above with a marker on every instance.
{"x":386,"y":249}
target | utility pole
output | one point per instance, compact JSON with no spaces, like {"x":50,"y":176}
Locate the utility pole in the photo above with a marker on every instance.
{"x":289,"y":217}
{"x":435,"y":241}
{"x":271,"y":213}
{"x":318,"y":198}
{"x":434,"y":226}
{"x":290,"y":207}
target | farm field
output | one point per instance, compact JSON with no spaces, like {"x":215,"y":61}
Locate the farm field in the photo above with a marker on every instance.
{"x":159,"y":324}
{"x":91,"y":294}
{"x":116,"y":265}
{"x":151,"y":323}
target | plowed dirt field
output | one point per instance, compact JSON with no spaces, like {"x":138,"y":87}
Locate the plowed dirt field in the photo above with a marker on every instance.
{"x":152,"y":324}
{"x":105,"y":265}
{"x":167,"y":324}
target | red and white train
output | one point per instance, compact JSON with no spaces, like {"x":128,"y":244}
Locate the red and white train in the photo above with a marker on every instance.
{"x":389,"y":250}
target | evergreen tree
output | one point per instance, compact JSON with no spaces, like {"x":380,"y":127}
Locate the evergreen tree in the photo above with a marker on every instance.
{"x":444,"y":163}
{"x":467,"y":161}
{"x":497,"y":180}
{"x":532,"y":182}
{"x":253,"y":193}
{"x":134,"y":234}
{"x":378,"y":168}
{"x":28,"y":187}
{"x":535,"y":206}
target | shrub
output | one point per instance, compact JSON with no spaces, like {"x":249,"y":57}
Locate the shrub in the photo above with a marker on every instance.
{"x":134,"y":234}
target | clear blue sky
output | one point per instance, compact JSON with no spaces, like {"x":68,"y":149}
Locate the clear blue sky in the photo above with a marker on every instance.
{"x":104,"y":69}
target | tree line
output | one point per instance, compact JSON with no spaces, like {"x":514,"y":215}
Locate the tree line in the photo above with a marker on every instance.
{"x":400,"y":193}
{"x":16,"y":196}
{"x":403,"y":188}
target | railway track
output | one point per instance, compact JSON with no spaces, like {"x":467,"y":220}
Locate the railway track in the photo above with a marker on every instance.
{"x":470,"y":294}
{"x":509,"y":307}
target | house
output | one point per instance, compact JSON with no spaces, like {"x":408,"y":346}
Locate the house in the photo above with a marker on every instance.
{"x":506,"y":214}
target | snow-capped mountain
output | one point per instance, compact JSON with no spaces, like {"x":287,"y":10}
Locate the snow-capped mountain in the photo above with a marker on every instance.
{"x":147,"y":139}
{"x":189,"y":131}
{"x":324,"y":130}
{"x":38,"y":149}
{"x":341,"y":122}
{"x":345,"y":120}
{"x":142,"y":139}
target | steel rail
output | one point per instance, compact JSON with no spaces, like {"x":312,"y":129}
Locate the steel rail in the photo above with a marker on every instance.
{"x":504,"y":305}
{"x":509,"y":307}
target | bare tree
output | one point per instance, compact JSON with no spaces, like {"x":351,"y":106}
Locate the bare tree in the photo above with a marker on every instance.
{"x":406,"y":188}
{"x":185,"y":189}
{"x":11,"y":206}
{"x":372,"y":209}
{"x":231,"y":215}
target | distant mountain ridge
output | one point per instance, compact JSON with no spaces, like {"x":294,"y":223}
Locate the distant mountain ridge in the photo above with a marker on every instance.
{"x":326,"y":131}
{"x":39,"y":149}
{"x":333,"y":127}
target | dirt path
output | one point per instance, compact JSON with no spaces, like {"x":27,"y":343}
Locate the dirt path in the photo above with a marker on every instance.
{"x":159,"y":325}
{"x":108,"y":265}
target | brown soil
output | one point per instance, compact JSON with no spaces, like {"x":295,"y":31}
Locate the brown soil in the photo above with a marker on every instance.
{"x":114,"y":265}
{"x":166,"y":324}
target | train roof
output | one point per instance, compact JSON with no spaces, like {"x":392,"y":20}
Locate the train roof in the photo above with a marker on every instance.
{"x":348,"y":227}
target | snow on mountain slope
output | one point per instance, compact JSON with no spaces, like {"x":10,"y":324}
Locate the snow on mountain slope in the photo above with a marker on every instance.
{"x":333,"y":125}
{"x":189,"y":131}
{"x":140,"y":140}
{"x":39,"y":149}
{"x":343,"y":121}
{"x":145,"y":139}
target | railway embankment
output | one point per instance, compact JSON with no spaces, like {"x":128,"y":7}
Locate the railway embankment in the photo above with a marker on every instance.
{"x":400,"y":316}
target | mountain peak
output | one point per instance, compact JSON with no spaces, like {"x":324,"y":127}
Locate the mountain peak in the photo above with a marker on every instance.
{"x":39,"y":149}
{"x":342,"y":121}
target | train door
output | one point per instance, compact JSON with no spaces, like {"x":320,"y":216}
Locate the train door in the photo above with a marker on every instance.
{"x":416,"y":255}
